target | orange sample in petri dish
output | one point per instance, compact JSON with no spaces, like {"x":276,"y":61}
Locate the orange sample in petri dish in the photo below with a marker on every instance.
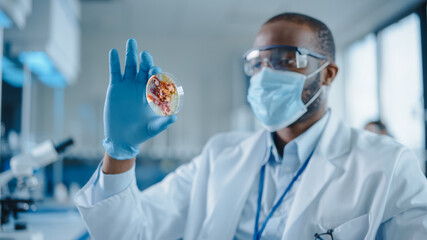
{"x":165,"y":94}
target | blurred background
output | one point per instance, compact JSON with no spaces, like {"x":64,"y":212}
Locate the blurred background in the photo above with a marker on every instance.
{"x":54,"y":70}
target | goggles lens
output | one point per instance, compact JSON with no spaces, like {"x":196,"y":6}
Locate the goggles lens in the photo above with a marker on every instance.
{"x":278,"y":58}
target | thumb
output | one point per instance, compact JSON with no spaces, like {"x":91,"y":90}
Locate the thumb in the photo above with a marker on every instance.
{"x":157,"y":125}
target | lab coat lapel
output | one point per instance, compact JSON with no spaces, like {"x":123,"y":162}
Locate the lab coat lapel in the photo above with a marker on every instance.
{"x":229,"y":185}
{"x":334,"y":142}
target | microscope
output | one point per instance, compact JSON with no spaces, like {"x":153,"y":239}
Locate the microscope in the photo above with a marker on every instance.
{"x":22,"y":167}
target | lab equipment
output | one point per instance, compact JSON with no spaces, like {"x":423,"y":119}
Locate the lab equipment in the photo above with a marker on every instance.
{"x":12,"y":14}
{"x":22,"y":167}
{"x":279,"y":57}
{"x":12,"y":72}
{"x":128,"y":118}
{"x":50,"y":42}
{"x":165,"y":94}
{"x":276,"y":96}
{"x":24,"y":164}
{"x":16,"y":11}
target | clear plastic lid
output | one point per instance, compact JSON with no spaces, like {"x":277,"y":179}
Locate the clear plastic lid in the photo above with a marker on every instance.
{"x":165,"y":94}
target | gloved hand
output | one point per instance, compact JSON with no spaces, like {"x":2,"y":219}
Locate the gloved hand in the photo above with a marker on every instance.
{"x":128,"y":119}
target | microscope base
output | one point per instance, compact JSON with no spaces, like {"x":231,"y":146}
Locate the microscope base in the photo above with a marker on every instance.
{"x":21,"y":235}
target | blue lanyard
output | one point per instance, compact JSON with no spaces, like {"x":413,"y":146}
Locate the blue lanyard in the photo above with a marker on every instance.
{"x":258,"y":233}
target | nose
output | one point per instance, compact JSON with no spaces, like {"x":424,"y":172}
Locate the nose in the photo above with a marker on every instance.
{"x":266,"y":63}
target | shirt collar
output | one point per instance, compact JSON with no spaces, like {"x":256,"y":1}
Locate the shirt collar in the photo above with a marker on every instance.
{"x":304,"y":143}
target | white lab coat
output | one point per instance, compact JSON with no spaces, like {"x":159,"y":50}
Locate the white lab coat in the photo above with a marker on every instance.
{"x":362,"y":185}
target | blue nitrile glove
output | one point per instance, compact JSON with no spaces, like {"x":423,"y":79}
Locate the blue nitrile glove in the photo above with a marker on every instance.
{"x":128,"y":119}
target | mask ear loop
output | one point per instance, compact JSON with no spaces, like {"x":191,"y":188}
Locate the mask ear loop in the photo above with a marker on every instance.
{"x":318,"y":70}
{"x":321,"y":87}
{"x":314,"y":97}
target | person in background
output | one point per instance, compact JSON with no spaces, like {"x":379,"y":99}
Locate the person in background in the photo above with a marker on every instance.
{"x":377,"y":127}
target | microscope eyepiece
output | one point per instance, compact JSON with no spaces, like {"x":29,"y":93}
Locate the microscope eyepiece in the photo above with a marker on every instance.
{"x":64,"y":145}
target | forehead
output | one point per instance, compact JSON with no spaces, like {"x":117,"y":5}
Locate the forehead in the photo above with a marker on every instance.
{"x":286,"y":33}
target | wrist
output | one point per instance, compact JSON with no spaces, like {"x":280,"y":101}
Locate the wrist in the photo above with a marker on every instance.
{"x":111,"y":165}
{"x":120,"y":150}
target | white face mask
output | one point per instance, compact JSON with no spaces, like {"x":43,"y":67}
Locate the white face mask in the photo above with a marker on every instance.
{"x":276,"y":97}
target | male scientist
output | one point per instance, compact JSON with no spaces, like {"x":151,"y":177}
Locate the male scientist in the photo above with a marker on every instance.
{"x":306,"y":176}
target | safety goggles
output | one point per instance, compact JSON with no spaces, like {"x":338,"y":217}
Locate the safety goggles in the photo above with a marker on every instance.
{"x":279,"y":57}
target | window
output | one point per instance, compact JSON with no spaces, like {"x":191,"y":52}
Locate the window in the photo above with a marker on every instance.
{"x":361,"y":82}
{"x":401,"y":81}
{"x":384,"y":81}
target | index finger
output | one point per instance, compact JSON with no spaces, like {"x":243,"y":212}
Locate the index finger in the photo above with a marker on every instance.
{"x":115,"y":72}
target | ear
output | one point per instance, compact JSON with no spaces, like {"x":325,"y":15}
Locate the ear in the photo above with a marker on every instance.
{"x":329,"y":74}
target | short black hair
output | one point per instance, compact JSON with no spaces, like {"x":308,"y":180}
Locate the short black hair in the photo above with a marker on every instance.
{"x":325,"y":40}
{"x":380,"y":125}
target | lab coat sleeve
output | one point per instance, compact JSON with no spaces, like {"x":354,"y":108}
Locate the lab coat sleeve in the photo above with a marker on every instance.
{"x":111,"y":184}
{"x":406,"y":208}
{"x":157,"y":213}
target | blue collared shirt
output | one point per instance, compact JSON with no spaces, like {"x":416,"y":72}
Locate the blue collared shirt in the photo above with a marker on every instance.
{"x":278,"y":174}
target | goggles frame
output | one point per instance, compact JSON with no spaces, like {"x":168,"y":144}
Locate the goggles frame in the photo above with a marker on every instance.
{"x":303,"y":52}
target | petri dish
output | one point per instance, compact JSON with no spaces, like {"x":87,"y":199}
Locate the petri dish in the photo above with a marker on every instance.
{"x":165,"y":94}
